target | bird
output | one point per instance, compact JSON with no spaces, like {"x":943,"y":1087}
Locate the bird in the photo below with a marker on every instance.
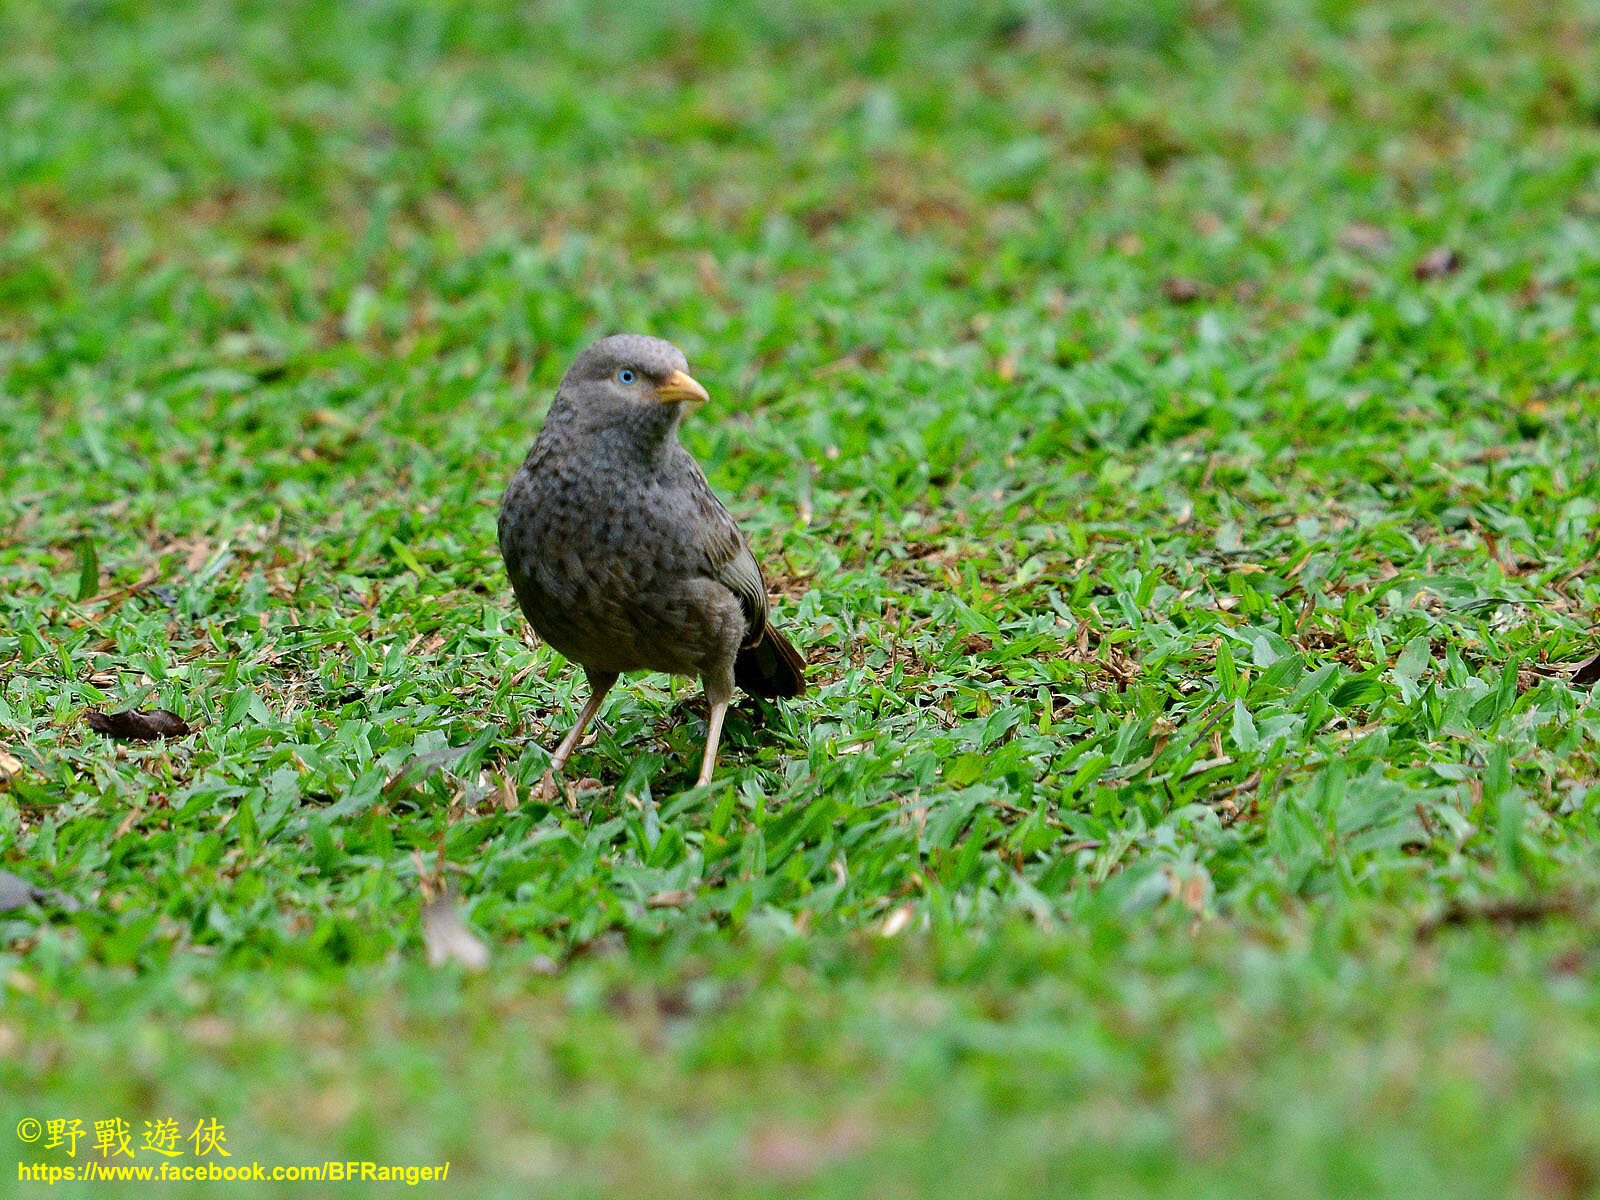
{"x":619,"y":554}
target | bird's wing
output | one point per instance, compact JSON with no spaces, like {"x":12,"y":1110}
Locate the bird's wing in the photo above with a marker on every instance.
{"x":742,"y":576}
{"x":728,"y":559}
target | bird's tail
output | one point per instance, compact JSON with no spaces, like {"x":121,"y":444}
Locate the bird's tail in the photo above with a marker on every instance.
{"x":771,"y":667}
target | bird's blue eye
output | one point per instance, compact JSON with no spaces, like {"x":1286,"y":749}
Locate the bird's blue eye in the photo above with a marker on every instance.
{"x":626,"y":375}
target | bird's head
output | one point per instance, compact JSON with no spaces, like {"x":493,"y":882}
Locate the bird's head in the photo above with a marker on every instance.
{"x":629,"y":382}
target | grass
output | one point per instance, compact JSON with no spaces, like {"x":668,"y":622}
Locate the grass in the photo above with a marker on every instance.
{"x":1193,"y":798}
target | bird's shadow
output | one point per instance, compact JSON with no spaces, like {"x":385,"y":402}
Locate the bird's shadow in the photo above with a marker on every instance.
{"x":608,"y":757}
{"x":753,"y":713}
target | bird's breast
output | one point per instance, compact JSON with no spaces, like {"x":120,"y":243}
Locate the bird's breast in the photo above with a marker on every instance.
{"x":576,"y":540}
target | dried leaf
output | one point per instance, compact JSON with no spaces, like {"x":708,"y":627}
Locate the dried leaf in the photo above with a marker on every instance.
{"x":10,"y":768}
{"x":505,"y":793}
{"x":1587,"y":673}
{"x":17,"y":892}
{"x":1181,"y":289}
{"x":139,"y":725}
{"x":897,"y":920}
{"x":1561,"y":1173}
{"x":447,"y":937}
{"x":1504,"y":913}
{"x":675,"y":898}
{"x":1365,"y":237}
{"x":1437,"y":263}
{"x":1192,"y":890}
{"x":795,"y":1152}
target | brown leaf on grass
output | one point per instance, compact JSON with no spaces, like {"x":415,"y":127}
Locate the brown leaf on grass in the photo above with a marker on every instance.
{"x":505,"y":793}
{"x":1364,"y":237}
{"x":444,"y":933}
{"x":10,"y":768}
{"x":796,"y":1152}
{"x":1560,"y":1172}
{"x":17,"y":892}
{"x":1586,"y":673}
{"x":976,"y":643}
{"x":447,"y":937}
{"x":139,"y":725}
{"x":1507,"y":913}
{"x":1181,"y":289}
{"x":1572,"y":961}
{"x":672,"y":898}
{"x":1192,"y":890}
{"x":1437,"y":263}
{"x":896,"y":921}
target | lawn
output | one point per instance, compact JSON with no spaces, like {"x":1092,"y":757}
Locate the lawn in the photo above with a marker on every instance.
{"x":1168,"y":429}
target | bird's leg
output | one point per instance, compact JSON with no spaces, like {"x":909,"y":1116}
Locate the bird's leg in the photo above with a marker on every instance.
{"x":599,"y":684}
{"x":719,"y":698}
{"x":558,"y":760}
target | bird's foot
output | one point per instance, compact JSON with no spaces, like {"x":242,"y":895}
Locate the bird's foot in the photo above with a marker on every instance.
{"x":548,"y":790}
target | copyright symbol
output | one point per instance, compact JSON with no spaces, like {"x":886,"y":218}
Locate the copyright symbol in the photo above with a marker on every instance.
{"x":29,"y":1129}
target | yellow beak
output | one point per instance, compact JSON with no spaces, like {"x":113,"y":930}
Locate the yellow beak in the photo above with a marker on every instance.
{"x":679,"y":388}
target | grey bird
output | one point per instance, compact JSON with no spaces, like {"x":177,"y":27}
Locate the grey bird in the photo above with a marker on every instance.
{"x":620,"y":555}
